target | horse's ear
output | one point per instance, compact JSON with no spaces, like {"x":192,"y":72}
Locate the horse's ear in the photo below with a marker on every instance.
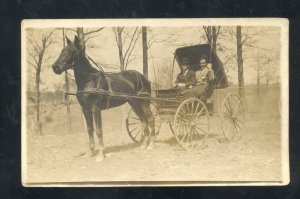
{"x":76,"y":41}
{"x":68,"y":40}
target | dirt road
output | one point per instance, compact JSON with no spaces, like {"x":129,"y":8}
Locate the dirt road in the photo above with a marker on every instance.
{"x":60,"y":157}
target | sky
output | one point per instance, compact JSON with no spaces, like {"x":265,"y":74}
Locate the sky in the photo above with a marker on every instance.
{"x":102,"y":48}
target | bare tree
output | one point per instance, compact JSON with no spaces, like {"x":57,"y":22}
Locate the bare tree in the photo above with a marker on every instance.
{"x":162,"y":72}
{"x":212,"y":33}
{"x":263,"y":70}
{"x":37,"y":60}
{"x":149,"y":38}
{"x":126,"y":43}
{"x":85,"y":34}
{"x":239,"y":52}
{"x":145,"y":51}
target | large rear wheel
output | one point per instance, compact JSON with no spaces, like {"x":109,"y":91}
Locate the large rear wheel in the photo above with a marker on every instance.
{"x":191,"y":124}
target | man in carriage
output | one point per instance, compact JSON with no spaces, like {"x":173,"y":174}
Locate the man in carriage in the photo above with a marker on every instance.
{"x":186,"y":78}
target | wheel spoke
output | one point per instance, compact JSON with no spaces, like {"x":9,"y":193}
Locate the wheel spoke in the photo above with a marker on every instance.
{"x":192,"y":106}
{"x":188,"y":110}
{"x":226,"y":129}
{"x":184,"y":135}
{"x":138,"y":133}
{"x":180,"y":129}
{"x":134,"y":123}
{"x":236,"y":124}
{"x":228,"y":109}
{"x":235,"y":131}
{"x":198,"y":135}
{"x":135,"y":129}
{"x":226,"y":117}
{"x":193,"y":134}
{"x":196,"y":127}
{"x":198,"y":113}
{"x":240,"y":121}
{"x":232,"y":130}
{"x":183,"y":119}
{"x":189,"y":135}
{"x":134,"y":118}
{"x":237,"y":107}
{"x":229,"y":103}
{"x":196,"y":108}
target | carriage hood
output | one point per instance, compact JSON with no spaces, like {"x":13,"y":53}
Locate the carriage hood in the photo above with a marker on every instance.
{"x":191,"y":55}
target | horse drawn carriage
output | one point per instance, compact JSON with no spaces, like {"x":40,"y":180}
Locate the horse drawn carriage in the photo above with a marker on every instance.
{"x":188,"y":117}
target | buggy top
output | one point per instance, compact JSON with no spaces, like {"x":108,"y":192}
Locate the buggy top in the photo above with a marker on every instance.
{"x":191,"y":55}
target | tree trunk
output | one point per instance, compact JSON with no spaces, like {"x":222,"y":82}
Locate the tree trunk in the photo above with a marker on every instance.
{"x":212,"y":33}
{"x":214,"y":39}
{"x":145,"y":51}
{"x":120,"y":47}
{"x":37,"y":87}
{"x":209,"y":35}
{"x":67,"y":100}
{"x":258,"y":82}
{"x":38,"y":94}
{"x":80,"y":35}
{"x":240,"y":60}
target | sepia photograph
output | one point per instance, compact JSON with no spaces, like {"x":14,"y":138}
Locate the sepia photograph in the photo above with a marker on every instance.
{"x":155,"y":102}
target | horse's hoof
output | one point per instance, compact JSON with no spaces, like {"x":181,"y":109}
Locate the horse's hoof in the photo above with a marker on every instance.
{"x":145,"y":143}
{"x":150,"y":146}
{"x":100,"y":158}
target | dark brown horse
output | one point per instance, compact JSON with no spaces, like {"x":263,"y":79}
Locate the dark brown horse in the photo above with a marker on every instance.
{"x":88,"y":78}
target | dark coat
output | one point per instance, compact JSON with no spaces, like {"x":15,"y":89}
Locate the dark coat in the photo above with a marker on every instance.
{"x":189,"y":79}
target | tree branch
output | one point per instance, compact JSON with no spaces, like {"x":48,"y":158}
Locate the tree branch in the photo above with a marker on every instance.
{"x":129,"y":54}
{"x":30,"y":63}
{"x":130,"y":44}
{"x":90,"y":32}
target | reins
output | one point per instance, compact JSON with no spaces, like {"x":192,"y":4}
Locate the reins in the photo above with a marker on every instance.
{"x":98,"y":66}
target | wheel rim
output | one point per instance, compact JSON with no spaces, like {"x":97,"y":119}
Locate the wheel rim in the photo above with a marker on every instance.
{"x":135,"y":127}
{"x":191,"y":124}
{"x":233,"y":117}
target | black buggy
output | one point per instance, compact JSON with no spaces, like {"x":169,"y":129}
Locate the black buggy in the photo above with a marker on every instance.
{"x":189,"y":117}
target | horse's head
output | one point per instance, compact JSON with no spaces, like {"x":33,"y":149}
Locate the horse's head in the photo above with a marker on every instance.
{"x":67,"y":56}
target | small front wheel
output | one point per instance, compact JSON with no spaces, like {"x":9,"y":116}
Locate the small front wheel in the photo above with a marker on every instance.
{"x":135,"y":127}
{"x":233,"y":117}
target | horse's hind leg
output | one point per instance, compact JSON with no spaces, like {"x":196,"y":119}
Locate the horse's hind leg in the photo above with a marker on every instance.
{"x":98,"y":124}
{"x":90,"y":128}
{"x":150,"y":123}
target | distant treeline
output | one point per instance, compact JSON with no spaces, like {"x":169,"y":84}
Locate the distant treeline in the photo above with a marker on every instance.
{"x":49,"y":97}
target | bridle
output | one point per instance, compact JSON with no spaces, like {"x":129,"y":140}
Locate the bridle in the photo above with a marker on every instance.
{"x":76,"y":54}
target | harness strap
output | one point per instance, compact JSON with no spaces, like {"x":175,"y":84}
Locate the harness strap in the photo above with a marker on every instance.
{"x":142,"y":91}
{"x":109,"y":84}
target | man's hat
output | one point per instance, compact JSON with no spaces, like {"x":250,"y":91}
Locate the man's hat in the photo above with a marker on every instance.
{"x":185,"y":61}
{"x":204,"y":57}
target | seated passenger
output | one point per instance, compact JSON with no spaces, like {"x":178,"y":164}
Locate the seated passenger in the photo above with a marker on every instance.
{"x":205,"y":81}
{"x":205,"y":75}
{"x":186,"y":78}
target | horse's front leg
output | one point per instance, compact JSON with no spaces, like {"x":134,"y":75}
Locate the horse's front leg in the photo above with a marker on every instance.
{"x":99,"y":132}
{"x":90,"y":128}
